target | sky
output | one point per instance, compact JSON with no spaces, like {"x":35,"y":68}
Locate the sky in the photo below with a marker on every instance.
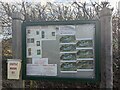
{"x":114,"y":3}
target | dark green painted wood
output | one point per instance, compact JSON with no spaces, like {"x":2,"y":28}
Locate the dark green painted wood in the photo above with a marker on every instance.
{"x":55,"y":78}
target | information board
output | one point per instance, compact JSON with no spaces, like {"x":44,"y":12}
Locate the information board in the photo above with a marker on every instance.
{"x":61,"y":50}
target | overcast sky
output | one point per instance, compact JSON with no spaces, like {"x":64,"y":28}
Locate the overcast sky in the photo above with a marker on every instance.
{"x":112,"y":2}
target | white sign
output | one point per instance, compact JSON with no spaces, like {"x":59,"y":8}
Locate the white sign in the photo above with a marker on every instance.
{"x":41,"y":61}
{"x":13,"y":69}
{"x":67,"y":30}
{"x":50,"y":70}
{"x":43,"y":70}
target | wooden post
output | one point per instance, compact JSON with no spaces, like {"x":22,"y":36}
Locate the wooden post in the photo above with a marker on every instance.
{"x":118,"y":37}
{"x":16,"y":42}
{"x":16,"y":35}
{"x":118,"y":29}
{"x":106,"y":49}
{"x":0,"y":57}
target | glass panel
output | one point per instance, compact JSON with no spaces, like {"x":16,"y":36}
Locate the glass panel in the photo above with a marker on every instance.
{"x":70,"y":54}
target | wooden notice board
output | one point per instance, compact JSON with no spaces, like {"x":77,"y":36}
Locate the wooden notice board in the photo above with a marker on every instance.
{"x":61,"y":50}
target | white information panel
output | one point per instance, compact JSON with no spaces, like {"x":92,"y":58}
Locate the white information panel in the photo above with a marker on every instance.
{"x":41,"y":61}
{"x":44,"y":70}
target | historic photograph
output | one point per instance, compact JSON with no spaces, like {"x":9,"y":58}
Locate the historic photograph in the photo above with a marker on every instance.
{"x":85,"y":53}
{"x":67,"y":47}
{"x":68,"y":56}
{"x":85,"y":43}
{"x":85,"y":64}
{"x":68,"y":66}
{"x":67,"y":39}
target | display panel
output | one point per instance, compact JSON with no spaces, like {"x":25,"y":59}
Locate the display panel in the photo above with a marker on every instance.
{"x":60,"y":51}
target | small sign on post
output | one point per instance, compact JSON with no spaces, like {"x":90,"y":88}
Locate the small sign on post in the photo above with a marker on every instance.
{"x":13,"y":68}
